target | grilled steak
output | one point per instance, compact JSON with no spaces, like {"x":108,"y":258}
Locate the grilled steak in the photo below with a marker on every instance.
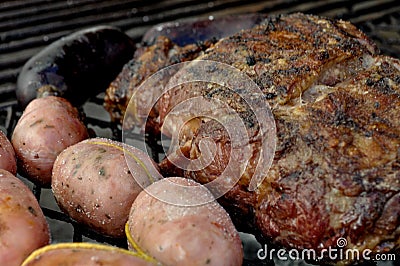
{"x":336,"y":105}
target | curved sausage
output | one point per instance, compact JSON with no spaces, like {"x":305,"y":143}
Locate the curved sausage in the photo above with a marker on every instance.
{"x":75,"y":67}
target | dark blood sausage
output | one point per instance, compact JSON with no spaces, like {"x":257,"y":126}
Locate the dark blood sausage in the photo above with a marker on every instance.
{"x":194,"y":30}
{"x":76,"y":66}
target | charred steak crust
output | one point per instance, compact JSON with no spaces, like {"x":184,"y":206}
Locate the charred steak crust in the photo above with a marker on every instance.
{"x":336,"y":104}
{"x":285,"y":55}
{"x":338,"y":176}
{"x":145,"y":62}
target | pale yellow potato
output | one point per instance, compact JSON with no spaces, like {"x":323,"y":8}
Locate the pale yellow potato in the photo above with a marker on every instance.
{"x":84,"y":254}
{"x":47,"y":126}
{"x":23,"y":227}
{"x":93,"y":184}
{"x":175,"y":234}
{"x":7,"y":155}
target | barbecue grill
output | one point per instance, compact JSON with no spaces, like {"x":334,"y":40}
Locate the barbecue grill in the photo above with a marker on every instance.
{"x":27,"y":26}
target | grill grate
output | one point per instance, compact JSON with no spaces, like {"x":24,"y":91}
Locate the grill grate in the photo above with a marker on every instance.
{"x":27,"y":26}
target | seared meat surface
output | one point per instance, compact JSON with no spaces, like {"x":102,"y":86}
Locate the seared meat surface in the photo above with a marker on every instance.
{"x":336,"y":170}
{"x":336,"y":107}
{"x":146,"y":61}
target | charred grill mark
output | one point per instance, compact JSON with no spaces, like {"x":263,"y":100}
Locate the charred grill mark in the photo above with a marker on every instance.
{"x":251,"y":61}
{"x":270,"y":96}
{"x":351,"y":46}
{"x":382,"y":85}
{"x":341,"y":118}
{"x":323,"y":55}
